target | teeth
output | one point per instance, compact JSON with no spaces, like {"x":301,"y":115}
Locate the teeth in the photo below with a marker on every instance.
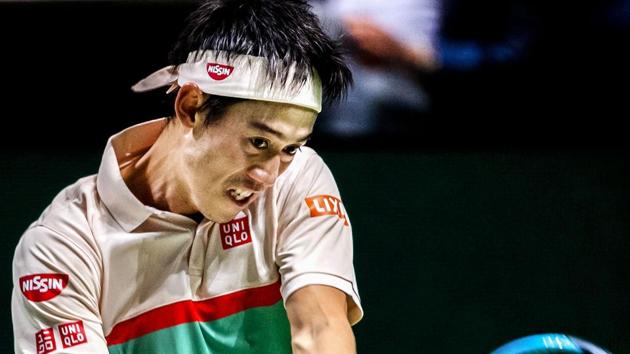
{"x":240,"y":194}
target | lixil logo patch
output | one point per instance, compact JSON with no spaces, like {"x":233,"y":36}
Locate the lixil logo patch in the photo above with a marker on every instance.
{"x":219,"y":71}
{"x":320,"y":205}
{"x":235,"y":233}
{"x":43,"y":287}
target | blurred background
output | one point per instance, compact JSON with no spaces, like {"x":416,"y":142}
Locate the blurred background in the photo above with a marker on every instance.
{"x":482,"y":154}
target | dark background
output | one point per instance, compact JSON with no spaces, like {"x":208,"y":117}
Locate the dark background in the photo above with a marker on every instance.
{"x":502,"y":213}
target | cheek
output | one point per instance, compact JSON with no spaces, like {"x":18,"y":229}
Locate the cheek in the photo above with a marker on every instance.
{"x":199,"y":166}
{"x":216,"y":162}
{"x":228,"y":159}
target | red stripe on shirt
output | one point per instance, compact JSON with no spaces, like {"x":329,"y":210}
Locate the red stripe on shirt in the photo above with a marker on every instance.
{"x":193,"y":311}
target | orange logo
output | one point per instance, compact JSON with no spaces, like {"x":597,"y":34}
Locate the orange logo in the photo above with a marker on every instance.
{"x":326,"y":205}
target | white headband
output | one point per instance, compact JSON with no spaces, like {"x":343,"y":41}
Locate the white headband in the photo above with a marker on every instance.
{"x":242,"y":76}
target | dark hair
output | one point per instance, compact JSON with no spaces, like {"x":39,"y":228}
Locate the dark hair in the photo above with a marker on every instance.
{"x":282,"y":31}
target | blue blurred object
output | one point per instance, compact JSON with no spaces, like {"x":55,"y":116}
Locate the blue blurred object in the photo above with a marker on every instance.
{"x":549,"y":343}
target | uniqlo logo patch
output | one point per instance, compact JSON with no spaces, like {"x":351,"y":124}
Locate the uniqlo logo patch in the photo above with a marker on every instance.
{"x":219,"y":71}
{"x":45,"y":341}
{"x":42,"y":287}
{"x":235,"y":233}
{"x":72,"y":334}
{"x":320,"y":205}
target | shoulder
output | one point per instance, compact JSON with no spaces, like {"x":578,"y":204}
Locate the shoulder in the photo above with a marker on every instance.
{"x":64,"y":226}
{"x":307,"y":163}
{"x":308,"y":176}
{"x":69,"y":210}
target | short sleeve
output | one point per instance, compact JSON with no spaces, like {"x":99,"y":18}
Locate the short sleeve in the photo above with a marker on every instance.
{"x":56,"y":291}
{"x":315,"y":243}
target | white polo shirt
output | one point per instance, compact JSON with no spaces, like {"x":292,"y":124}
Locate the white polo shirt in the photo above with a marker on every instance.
{"x":100,"y":272}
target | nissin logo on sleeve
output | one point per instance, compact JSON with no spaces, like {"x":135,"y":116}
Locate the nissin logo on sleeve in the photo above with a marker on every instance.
{"x":320,"y":205}
{"x":219,"y":71}
{"x":43,"y":287}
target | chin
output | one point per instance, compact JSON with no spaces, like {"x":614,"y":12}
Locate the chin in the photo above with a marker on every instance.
{"x":222,"y":218}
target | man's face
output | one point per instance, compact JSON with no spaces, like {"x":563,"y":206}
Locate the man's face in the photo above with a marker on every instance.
{"x":229,"y":163}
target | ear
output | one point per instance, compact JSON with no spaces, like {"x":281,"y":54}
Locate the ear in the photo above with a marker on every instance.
{"x":189,"y":99}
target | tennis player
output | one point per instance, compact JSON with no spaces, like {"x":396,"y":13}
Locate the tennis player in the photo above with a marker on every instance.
{"x":214,"y":230}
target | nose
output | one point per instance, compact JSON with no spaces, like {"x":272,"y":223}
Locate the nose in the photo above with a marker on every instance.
{"x":265,"y":172}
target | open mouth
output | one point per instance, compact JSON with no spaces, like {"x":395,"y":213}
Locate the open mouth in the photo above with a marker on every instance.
{"x":240,"y":196}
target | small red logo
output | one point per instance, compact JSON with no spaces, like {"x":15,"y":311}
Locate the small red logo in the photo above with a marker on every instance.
{"x":45,"y":341}
{"x":235,"y":233}
{"x":326,"y":205}
{"x":42,"y":287}
{"x":72,"y":334}
{"x":219,"y":71}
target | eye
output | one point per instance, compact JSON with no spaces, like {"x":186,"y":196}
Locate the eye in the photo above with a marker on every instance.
{"x":259,"y":143}
{"x":292,"y":149}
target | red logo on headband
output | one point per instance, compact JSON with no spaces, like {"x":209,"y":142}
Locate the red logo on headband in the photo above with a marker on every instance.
{"x":219,"y":71}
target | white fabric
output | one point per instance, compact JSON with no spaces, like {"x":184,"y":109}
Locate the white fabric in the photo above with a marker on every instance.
{"x":124,"y":258}
{"x":242,"y":76}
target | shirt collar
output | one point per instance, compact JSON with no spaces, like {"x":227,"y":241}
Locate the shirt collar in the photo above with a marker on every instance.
{"x":126,"y":209}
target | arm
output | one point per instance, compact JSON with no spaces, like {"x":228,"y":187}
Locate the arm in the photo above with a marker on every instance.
{"x":55,"y":302}
{"x":314,"y":256}
{"x":319,"y":321}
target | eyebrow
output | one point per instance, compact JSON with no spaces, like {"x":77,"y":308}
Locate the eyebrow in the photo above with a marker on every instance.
{"x":264,"y":127}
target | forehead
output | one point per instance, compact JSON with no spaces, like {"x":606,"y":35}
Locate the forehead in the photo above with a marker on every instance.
{"x":290,"y":120}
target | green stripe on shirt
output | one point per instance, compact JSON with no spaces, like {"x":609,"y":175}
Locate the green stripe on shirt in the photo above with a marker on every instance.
{"x":256,"y":330}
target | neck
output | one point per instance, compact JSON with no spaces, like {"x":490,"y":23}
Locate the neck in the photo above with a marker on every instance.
{"x":153,"y":176}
